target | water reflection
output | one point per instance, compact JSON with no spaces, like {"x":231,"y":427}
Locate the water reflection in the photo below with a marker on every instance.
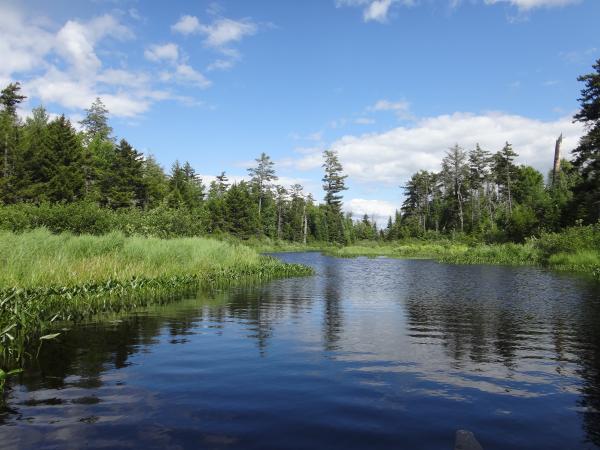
{"x":367,"y":354}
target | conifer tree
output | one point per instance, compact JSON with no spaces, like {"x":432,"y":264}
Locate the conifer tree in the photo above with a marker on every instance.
{"x":504,"y":171}
{"x":95,"y":122}
{"x":64,"y":174}
{"x":334,"y":185}
{"x":587,"y":153}
{"x":262,"y":176}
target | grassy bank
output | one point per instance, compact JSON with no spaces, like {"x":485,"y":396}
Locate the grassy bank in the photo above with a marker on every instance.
{"x":47,"y":278}
{"x":576,"y":249}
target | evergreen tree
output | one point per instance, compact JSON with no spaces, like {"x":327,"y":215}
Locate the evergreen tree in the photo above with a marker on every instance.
{"x":504,"y":171}
{"x":479,"y":180}
{"x":63,"y":174}
{"x":31,"y":172}
{"x":334,"y":185}
{"x":455,"y":173}
{"x":587,"y":154}
{"x":10,"y":98}
{"x":123,"y":186}
{"x":95,"y":122}
{"x":155,"y":183}
{"x":262,"y":177}
{"x":241,"y":214}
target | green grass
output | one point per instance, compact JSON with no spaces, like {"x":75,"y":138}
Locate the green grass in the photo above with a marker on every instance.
{"x":47,"y":279}
{"x":576,"y":249}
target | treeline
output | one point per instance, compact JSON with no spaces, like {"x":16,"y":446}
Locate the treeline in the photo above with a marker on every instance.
{"x":488,"y":196}
{"x":86,"y":181}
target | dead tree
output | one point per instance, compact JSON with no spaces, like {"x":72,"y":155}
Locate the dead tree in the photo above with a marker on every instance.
{"x":556,"y":166}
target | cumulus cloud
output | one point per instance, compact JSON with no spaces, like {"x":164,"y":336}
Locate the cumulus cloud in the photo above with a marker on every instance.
{"x":165,"y":52}
{"x":219,"y":35}
{"x":389,"y":158}
{"x":186,"y":25}
{"x":64,"y":66}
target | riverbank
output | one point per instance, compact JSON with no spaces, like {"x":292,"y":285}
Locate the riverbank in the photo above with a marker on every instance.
{"x":49,"y":278}
{"x":576,"y":249}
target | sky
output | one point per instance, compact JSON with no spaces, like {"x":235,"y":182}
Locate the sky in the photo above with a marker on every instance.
{"x":389,"y":84}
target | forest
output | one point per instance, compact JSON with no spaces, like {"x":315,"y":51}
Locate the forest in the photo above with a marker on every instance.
{"x":88,"y":181}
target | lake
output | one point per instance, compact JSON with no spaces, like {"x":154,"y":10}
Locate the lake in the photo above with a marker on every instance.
{"x":367,"y":354}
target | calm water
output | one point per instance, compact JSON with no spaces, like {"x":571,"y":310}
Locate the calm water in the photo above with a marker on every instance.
{"x":391,"y":354}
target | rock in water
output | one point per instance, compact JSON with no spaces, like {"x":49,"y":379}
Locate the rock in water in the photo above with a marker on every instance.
{"x":465,"y":440}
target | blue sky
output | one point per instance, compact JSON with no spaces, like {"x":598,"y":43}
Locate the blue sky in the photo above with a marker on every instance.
{"x":390,"y":84}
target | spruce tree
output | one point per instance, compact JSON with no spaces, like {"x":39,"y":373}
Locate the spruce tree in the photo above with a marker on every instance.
{"x":504,"y":171}
{"x":63,"y":172}
{"x":334,"y":185}
{"x":95,"y":122}
{"x":587,"y":153}
{"x":261,"y":177}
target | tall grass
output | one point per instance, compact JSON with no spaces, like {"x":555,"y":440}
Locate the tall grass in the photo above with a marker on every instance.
{"x":576,"y":249}
{"x":47,"y":278}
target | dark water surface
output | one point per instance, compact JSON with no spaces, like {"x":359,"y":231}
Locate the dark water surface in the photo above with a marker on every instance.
{"x":368,"y":354}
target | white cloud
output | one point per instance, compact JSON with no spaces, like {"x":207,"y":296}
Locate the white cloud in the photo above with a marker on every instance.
{"x":226,"y":31}
{"x":166,"y":52}
{"x":392,"y":157}
{"x":23,"y":46}
{"x":221,"y":64}
{"x":526,"y":5}
{"x":379,"y":210}
{"x":218,"y":34}
{"x":377,"y":10}
{"x":63,"y":65}
{"x":187,"y":73}
{"x":187,"y":25}
{"x":374,"y":10}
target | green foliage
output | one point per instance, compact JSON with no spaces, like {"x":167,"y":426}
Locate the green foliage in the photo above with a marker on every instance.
{"x":50,"y":278}
{"x":586,"y":200}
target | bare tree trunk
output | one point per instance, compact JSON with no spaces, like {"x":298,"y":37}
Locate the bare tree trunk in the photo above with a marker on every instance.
{"x":556,"y":166}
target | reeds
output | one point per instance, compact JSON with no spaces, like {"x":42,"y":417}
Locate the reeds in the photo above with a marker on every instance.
{"x":46,"y":279}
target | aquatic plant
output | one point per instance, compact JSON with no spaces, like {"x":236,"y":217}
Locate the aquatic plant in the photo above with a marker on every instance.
{"x":49,"y":279}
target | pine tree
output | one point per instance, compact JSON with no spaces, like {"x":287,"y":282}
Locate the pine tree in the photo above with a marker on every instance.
{"x":63,"y":172}
{"x":587,"y":154}
{"x":504,"y":172}
{"x":10,"y":98}
{"x":31,"y":171}
{"x":124,"y":185}
{"x":455,"y":173}
{"x":334,"y":185}
{"x":155,"y":183}
{"x":95,"y":122}
{"x":479,"y":178}
{"x":262,"y":176}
